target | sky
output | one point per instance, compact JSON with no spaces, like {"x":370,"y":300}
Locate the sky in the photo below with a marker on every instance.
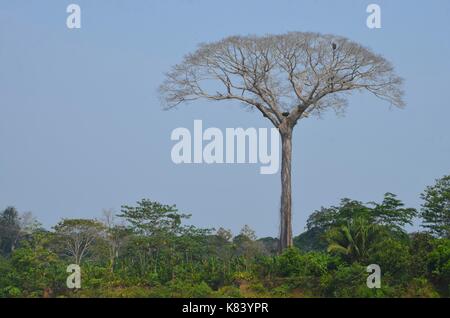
{"x":82,"y":128}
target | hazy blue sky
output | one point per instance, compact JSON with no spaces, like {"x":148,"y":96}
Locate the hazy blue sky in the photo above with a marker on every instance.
{"x":81,"y":128}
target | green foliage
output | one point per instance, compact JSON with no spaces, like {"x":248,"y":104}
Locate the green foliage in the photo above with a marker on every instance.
{"x":421,"y":245}
{"x":229,"y":292}
{"x":420,"y":288}
{"x":151,"y":218}
{"x":9,"y":230}
{"x":154,"y":254}
{"x":35,"y":271}
{"x":354,"y":240}
{"x":294,"y":263}
{"x":394,"y":257}
{"x":242,"y":276}
{"x":350,"y":282}
{"x":311,"y":240}
{"x":75,"y":237}
{"x":6,"y":288}
{"x":350,"y":228}
{"x":436,"y":207}
{"x":391,"y":213}
{"x":439,"y":264}
{"x":189,"y":290}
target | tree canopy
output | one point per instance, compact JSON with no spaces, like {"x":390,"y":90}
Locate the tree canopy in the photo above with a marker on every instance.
{"x":148,"y":250}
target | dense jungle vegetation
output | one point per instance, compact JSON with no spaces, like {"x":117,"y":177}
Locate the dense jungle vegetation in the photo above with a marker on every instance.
{"x":147,"y":250}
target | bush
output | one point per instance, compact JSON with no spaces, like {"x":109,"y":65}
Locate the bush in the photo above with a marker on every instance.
{"x":189,"y":290}
{"x":420,"y":288}
{"x":346,"y":281}
{"x":229,"y":292}
{"x":258,"y":288}
{"x":394,"y":259}
{"x":240,"y":277}
{"x":439,"y":265}
{"x":293,"y":263}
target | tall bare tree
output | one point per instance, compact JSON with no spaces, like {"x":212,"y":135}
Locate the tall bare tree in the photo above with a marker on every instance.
{"x":78,"y":235}
{"x":286,"y":77}
{"x":116,"y":236}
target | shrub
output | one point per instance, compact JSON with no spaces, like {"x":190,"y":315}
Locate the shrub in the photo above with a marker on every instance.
{"x":439,"y":264}
{"x":293,"y":263}
{"x":229,"y":292}
{"x":420,"y":288}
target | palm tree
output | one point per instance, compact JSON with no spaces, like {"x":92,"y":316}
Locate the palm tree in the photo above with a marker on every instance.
{"x":353,"y":240}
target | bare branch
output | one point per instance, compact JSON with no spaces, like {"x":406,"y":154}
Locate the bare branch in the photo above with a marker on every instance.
{"x":286,"y":77}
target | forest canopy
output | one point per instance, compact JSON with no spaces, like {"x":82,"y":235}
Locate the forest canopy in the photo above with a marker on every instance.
{"x":147,"y":250}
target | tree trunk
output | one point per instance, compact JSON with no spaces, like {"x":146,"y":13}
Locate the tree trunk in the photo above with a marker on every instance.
{"x":286,"y":200}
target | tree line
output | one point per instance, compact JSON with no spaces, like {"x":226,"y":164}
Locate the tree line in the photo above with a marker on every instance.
{"x":147,"y":250}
